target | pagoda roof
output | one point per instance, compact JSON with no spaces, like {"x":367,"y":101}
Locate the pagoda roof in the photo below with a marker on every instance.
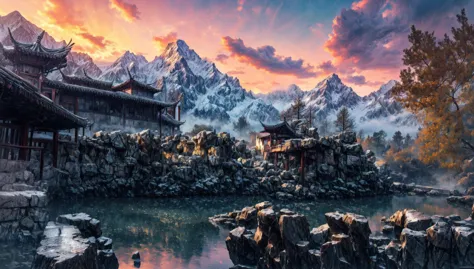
{"x":80,"y":91}
{"x":282,"y":129}
{"x":47,"y":58}
{"x":170,"y":120}
{"x":22,"y":102}
{"x":87,"y":81}
{"x":133,"y":83}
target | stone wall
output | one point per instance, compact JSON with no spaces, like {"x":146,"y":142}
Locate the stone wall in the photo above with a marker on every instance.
{"x":283,"y":240}
{"x":22,"y":206}
{"x":126,"y":165}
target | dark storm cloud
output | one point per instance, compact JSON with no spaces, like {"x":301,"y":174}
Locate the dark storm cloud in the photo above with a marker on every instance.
{"x":265,"y":58}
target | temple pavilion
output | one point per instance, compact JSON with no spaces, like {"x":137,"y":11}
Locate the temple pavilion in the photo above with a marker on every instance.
{"x":127,"y":106}
{"x":32,"y":104}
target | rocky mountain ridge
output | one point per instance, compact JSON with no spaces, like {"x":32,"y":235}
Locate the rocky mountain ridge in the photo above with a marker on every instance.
{"x":213,"y":97}
{"x":378,"y":110}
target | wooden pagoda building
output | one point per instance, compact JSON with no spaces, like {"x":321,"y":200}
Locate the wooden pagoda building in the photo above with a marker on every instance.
{"x":33,"y":61}
{"x":129,"y":105}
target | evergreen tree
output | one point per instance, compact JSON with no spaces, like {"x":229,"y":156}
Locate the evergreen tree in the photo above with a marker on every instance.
{"x":408,"y":141}
{"x":344,"y":122}
{"x":360,"y":134}
{"x":298,"y":106}
{"x":241,"y":125}
{"x":397,"y":141}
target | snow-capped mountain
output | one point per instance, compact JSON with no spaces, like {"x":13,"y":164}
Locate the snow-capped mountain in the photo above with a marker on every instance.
{"x":25,"y":31}
{"x":208,"y":93}
{"x":212,"y":96}
{"x":378,"y":110}
{"x":282,"y":99}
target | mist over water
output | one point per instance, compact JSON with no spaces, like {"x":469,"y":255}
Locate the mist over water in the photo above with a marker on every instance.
{"x":174,"y":233}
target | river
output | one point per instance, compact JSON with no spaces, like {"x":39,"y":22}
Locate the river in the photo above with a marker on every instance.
{"x":175,"y":233}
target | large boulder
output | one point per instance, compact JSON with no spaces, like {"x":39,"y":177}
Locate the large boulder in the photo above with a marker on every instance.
{"x":338,"y":253}
{"x":440,"y":239}
{"x":87,"y":225}
{"x":63,"y":247}
{"x":414,"y":249}
{"x":242,"y":247}
{"x":294,"y":231}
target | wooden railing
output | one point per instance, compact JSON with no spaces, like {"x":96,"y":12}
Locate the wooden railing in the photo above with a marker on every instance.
{"x":14,"y":152}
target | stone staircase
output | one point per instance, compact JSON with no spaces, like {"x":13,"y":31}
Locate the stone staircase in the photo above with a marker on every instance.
{"x":22,"y":204}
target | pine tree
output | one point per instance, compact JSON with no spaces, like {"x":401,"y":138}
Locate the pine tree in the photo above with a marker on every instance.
{"x":344,"y":122}
{"x":437,"y":83}
{"x":397,"y":141}
{"x":297,"y":106}
{"x":407,"y":141}
{"x":360,"y":134}
{"x":241,"y":125}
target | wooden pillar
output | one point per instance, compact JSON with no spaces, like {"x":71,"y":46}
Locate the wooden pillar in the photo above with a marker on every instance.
{"x":179,"y":112}
{"x":76,"y":130}
{"x":302,"y":157}
{"x":160,"y":122}
{"x":287,"y":162}
{"x":53,"y":96}
{"x":83,"y":131}
{"x":275,"y":161}
{"x":23,"y":142}
{"x":55,"y":148}
{"x":32,"y":131}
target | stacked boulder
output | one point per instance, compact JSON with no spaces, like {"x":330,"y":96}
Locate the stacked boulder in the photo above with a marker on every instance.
{"x":126,"y":165}
{"x":75,"y":241}
{"x":410,"y":239}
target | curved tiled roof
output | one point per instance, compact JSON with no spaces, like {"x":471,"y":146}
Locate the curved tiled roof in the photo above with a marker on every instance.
{"x":38,"y":49}
{"x":282,"y":128}
{"x":35,"y":108}
{"x":170,"y":120}
{"x":124,"y":97}
{"x":87,"y":81}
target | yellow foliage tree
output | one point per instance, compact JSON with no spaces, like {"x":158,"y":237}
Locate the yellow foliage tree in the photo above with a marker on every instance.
{"x":437,"y":86}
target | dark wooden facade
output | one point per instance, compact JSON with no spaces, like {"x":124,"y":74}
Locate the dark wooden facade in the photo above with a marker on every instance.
{"x":23,"y":111}
{"x":80,"y":100}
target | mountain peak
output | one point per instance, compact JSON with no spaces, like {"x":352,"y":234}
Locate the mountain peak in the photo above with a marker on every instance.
{"x":179,"y":49}
{"x":333,"y":78}
{"x":14,"y":15}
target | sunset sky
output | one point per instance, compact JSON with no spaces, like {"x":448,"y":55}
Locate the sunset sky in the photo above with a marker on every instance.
{"x":267,"y":44}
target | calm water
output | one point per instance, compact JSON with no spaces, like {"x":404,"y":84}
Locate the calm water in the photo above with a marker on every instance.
{"x":176,"y":234}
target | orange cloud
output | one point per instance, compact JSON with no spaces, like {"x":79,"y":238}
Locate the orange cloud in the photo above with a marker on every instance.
{"x":129,"y":12}
{"x":96,"y":41}
{"x":240,"y":5}
{"x":62,"y":14}
{"x":162,"y":41}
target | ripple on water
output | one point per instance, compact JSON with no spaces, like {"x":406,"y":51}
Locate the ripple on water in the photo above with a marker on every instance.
{"x":175,"y":233}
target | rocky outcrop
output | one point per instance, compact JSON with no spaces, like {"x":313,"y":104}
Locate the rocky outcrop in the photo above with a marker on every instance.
{"x":22,"y":215}
{"x":74,"y":241}
{"x":413,"y":189}
{"x":126,"y":165}
{"x":410,"y":239}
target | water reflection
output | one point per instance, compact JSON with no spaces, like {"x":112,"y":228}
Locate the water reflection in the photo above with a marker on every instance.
{"x":176,"y":234}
